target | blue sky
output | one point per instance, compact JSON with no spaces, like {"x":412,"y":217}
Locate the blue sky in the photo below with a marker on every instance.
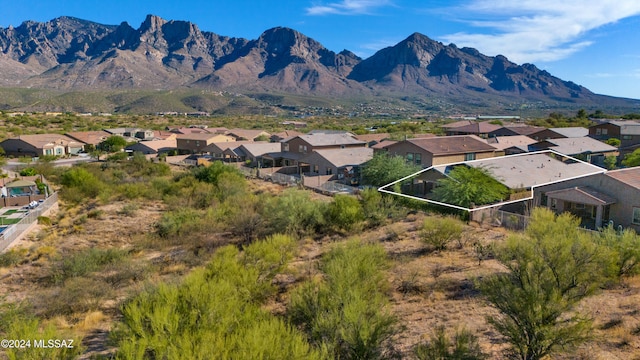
{"x":591,"y":42}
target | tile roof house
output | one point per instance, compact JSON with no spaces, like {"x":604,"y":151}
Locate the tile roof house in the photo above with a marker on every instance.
{"x":557,"y":133}
{"x":612,"y":197}
{"x":294,"y":148}
{"x":89,"y":137}
{"x":251,"y":135}
{"x":442,"y":149}
{"x":279,"y":136}
{"x":344,"y":164}
{"x":372,"y":139}
{"x":227,"y":151}
{"x":481,"y":129}
{"x":154,"y":146}
{"x":516,"y":144}
{"x":627,"y":131}
{"x":198,"y":142}
{"x":41,"y":144}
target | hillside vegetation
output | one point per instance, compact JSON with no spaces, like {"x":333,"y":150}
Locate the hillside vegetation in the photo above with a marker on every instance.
{"x":143,"y":260}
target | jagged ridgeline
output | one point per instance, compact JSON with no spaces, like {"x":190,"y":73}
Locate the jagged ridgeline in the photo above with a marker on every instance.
{"x":73,"y":54}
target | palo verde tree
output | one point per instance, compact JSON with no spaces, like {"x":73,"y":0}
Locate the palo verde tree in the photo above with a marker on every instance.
{"x":468,"y":185}
{"x":113,"y":143}
{"x":383,"y":169}
{"x":550,"y":269}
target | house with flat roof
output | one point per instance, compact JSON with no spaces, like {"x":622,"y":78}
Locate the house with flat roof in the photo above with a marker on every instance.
{"x":583,"y":148}
{"x":41,"y":144}
{"x":437,"y":150}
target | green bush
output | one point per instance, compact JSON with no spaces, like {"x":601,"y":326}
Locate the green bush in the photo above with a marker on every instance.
{"x":294,"y":213}
{"x":76,"y":295}
{"x":439,"y":232}
{"x":215,"y":311}
{"x":28,"y":172}
{"x":80,"y":184}
{"x":347,"y":312}
{"x":464,"y":346}
{"x":624,"y":251}
{"x":85,"y":262}
{"x":17,"y":323}
{"x":345,"y":212}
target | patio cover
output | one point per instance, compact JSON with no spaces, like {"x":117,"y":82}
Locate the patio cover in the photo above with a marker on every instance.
{"x":581,"y":195}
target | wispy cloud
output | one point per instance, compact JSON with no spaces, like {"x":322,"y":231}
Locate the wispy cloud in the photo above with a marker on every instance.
{"x":348,"y":7}
{"x":537,"y":30}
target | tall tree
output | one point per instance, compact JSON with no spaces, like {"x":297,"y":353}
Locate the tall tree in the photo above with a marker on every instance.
{"x":465,"y":186}
{"x":384,"y":169}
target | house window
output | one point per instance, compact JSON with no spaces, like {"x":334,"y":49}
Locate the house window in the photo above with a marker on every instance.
{"x":409,"y":157}
{"x":636,"y":216}
{"x":598,"y":131}
{"x":285,"y":147}
{"x":469,"y":156}
{"x":58,"y":151}
{"x":418,"y":159}
{"x":604,"y":131}
{"x":626,"y":137}
{"x":48,"y":152}
{"x":329,"y":171}
{"x":316,"y":169}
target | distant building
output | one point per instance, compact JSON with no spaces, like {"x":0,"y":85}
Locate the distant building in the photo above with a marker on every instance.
{"x":41,"y":144}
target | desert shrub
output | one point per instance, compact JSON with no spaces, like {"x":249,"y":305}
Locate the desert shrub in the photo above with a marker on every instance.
{"x":28,"y":172}
{"x":182,"y":222}
{"x":216,"y":310}
{"x":230,"y":185}
{"x":76,"y":295}
{"x":244,"y":217}
{"x":378,"y":208}
{"x":95,"y":214}
{"x":125,"y":272}
{"x":84,"y":262}
{"x":550,"y":269}
{"x":17,"y":323}
{"x":44,"y":220}
{"x":345,"y":212}
{"x":12,"y":257}
{"x":463,"y":346}
{"x":439,"y":232}
{"x":347,"y":312}
{"x":212,"y":173}
{"x":80,"y":184}
{"x":294,"y":213}
{"x":624,"y":251}
{"x":128,"y":209}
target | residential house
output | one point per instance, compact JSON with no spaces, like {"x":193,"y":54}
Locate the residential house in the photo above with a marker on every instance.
{"x":373,"y":138}
{"x":251,"y":135}
{"x":442,"y":149}
{"x":293,"y":149}
{"x":480,"y":129}
{"x":627,"y":131}
{"x":583,"y":148}
{"x":344,"y":164}
{"x":521,"y":173}
{"x":279,"y":136}
{"x":612,"y":197}
{"x":132,"y":133}
{"x":197,"y":142}
{"x":253,"y":152}
{"x":228,"y":151}
{"x":154,"y":146}
{"x":510,"y":145}
{"x":41,"y":144}
{"x":558,"y":133}
{"x":92,"y":138}
{"x":514,"y":130}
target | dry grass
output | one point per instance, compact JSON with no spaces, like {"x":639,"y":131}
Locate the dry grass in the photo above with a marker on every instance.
{"x":428,"y":289}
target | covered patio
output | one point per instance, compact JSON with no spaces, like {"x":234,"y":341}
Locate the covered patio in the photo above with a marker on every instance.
{"x":591,"y":206}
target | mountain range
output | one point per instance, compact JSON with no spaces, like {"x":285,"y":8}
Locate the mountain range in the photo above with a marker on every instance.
{"x":71,"y":54}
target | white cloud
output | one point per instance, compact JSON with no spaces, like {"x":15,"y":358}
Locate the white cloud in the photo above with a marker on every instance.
{"x":348,"y":7}
{"x":537,"y":30}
